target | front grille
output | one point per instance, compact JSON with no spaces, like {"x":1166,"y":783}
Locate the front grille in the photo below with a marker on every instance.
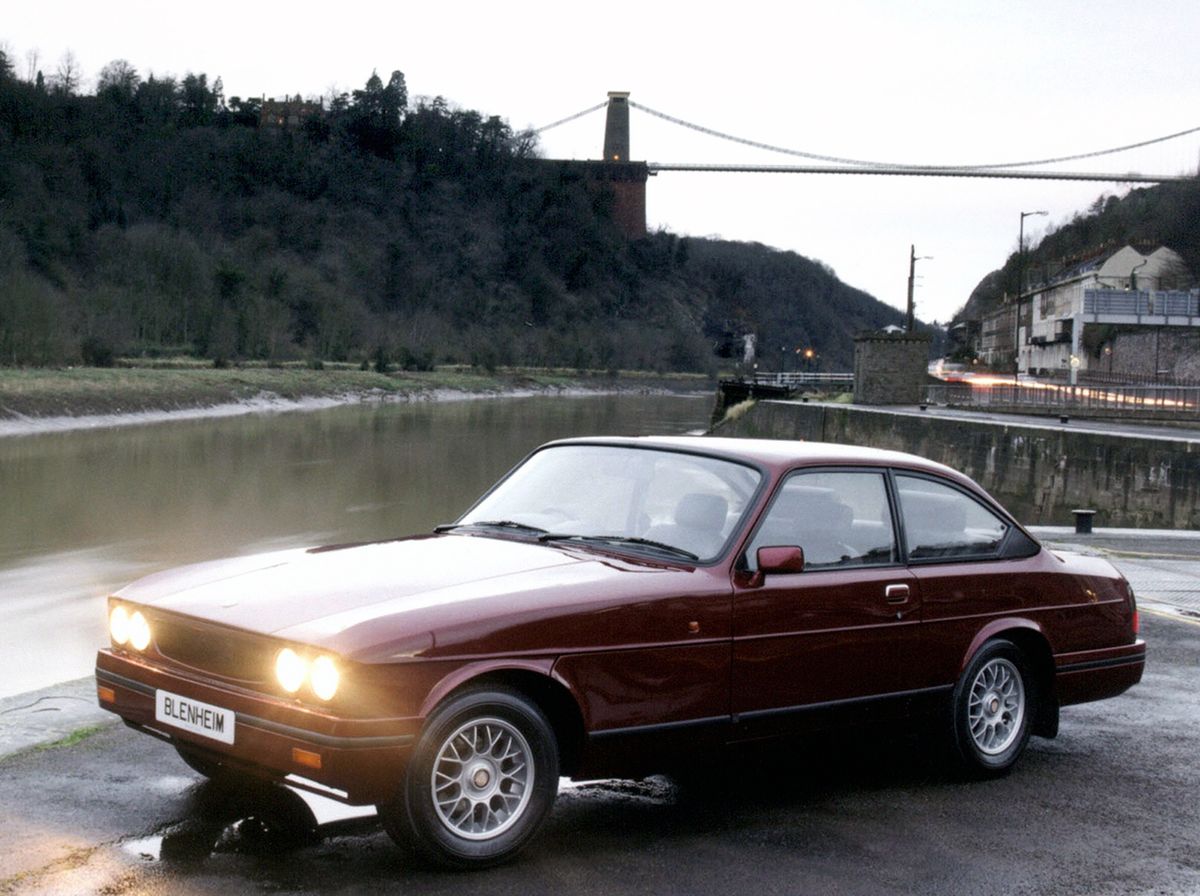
{"x":216,"y":651}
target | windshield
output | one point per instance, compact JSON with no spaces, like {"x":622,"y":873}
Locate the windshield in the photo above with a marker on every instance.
{"x":642,"y":499}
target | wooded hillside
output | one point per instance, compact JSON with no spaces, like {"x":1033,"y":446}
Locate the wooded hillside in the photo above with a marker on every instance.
{"x":1163,"y":215}
{"x":156,"y":216}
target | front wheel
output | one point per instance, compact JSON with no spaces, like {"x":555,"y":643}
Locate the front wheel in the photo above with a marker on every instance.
{"x":483,"y":777}
{"x":993,"y":709}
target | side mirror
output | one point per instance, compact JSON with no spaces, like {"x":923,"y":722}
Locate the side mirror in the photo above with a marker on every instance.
{"x":788,"y":558}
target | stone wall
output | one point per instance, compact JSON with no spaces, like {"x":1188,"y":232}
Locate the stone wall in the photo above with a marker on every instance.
{"x":1039,"y":473}
{"x":890,"y":368}
{"x":1177,"y":350}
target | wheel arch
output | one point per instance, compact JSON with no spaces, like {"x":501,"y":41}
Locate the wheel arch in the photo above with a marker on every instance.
{"x":549,"y":695}
{"x":1031,"y":640}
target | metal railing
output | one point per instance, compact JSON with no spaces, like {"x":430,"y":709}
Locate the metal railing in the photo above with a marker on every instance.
{"x":1141,"y":303}
{"x":1102,"y":400}
{"x":797,"y":378}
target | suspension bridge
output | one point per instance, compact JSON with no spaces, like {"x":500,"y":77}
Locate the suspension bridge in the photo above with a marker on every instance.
{"x":627,"y":178}
{"x":616,"y":150}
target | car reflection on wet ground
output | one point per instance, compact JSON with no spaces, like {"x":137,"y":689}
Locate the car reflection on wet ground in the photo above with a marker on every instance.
{"x":256,"y":818}
{"x":265,"y":819}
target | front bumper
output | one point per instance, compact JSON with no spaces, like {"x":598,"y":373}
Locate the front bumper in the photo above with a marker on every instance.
{"x":357,"y":760}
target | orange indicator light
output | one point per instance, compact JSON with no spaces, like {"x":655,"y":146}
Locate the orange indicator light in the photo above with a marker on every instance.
{"x":106,"y":695}
{"x":307,"y":758}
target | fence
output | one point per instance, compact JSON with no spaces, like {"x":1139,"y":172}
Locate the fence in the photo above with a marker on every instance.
{"x":1125,"y":302}
{"x":1147,"y":402}
{"x":795,"y":379}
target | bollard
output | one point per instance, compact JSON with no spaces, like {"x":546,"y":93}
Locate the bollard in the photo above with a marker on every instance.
{"x":1083,"y":521}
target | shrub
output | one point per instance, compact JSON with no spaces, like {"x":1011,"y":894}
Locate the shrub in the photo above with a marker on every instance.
{"x":96,"y":352}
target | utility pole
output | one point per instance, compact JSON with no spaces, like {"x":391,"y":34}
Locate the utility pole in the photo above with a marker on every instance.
{"x":913,"y":258}
{"x":912,"y":272}
{"x":1020,"y":287}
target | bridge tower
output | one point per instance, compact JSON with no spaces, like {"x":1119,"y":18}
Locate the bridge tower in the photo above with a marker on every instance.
{"x":616,"y":127}
{"x":627,"y":179}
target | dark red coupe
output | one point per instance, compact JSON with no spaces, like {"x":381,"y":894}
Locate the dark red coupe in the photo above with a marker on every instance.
{"x":609,"y":606}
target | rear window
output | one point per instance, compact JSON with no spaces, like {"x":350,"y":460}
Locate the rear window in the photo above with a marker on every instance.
{"x":942,"y":522}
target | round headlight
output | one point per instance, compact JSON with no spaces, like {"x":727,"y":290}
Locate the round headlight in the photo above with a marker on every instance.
{"x":118,"y":625}
{"x":139,"y":631}
{"x":290,"y":669}
{"x":324,"y":677}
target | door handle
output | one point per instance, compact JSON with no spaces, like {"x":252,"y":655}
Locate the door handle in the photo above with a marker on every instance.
{"x":896,"y":594}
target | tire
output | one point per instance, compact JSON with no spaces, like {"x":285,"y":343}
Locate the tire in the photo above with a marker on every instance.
{"x":994,"y":708}
{"x":483,"y":776}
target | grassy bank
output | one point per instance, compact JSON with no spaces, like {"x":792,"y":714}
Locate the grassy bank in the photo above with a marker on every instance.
{"x":81,"y":391}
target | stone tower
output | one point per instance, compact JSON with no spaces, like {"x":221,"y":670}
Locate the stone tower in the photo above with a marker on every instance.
{"x":616,"y":127}
{"x":626,"y":179}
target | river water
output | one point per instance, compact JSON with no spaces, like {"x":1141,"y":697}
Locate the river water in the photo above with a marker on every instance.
{"x":84,"y":512}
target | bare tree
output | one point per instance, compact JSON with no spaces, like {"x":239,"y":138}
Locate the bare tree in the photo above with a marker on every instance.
{"x":119,"y":77}
{"x":1174,"y":274}
{"x":31,"y":64}
{"x":68,"y":75}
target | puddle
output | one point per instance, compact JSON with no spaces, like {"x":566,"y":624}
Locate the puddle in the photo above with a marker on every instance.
{"x":253,"y":819}
{"x":267,"y":819}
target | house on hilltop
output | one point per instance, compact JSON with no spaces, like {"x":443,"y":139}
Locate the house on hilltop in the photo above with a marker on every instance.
{"x":288,"y":113}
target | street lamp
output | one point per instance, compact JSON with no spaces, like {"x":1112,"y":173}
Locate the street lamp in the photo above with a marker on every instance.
{"x":1020,"y":286}
{"x":913,"y":258}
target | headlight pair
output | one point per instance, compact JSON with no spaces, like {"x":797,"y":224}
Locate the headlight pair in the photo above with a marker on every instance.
{"x":321,"y":673}
{"x":128,"y":628}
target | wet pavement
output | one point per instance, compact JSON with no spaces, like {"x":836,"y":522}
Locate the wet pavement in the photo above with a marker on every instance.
{"x":1107,"y":808}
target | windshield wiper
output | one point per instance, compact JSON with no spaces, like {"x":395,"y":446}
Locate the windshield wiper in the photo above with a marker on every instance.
{"x":492,"y":524}
{"x":623,"y":539}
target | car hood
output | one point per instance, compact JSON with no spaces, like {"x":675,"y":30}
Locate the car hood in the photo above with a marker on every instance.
{"x":390,"y":599}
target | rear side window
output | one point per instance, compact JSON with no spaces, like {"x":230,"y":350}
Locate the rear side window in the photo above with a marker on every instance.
{"x":942,"y":522}
{"x":840,"y":519}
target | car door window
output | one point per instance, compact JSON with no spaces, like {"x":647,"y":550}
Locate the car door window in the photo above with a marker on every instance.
{"x":942,"y":522}
{"x":840,"y":519}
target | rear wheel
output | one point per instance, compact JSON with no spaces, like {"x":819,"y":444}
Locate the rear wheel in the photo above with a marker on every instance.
{"x":482,"y":778}
{"x":993,"y":709}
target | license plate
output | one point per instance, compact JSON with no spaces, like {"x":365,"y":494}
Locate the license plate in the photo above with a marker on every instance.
{"x":194,"y":716}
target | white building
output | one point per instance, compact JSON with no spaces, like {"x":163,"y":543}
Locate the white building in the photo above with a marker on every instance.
{"x":1125,"y":288}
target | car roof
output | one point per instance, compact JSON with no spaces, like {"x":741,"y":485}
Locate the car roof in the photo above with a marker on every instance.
{"x":775,"y":453}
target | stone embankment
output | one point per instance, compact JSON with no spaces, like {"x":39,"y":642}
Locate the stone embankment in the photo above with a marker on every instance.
{"x":1040,"y":469}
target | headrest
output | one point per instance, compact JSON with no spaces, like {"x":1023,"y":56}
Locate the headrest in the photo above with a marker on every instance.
{"x":700,"y":511}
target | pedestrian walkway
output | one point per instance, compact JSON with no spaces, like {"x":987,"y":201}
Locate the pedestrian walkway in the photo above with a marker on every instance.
{"x":49,"y":715}
{"x":1186,"y":432}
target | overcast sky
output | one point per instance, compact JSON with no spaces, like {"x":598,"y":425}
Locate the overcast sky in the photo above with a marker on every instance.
{"x":955,"y":82}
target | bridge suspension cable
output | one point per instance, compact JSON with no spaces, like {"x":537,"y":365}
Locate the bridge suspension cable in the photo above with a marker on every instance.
{"x":920,"y":171}
{"x":869,"y":164}
{"x":554,"y":124}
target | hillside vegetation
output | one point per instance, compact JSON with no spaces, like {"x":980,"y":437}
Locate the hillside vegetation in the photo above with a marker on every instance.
{"x":157,"y":217}
{"x":1163,"y":215}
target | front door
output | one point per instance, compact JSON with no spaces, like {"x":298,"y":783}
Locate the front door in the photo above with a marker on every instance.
{"x":827,"y":641}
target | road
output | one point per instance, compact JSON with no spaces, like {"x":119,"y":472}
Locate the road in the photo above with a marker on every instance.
{"x":1109,"y":807}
